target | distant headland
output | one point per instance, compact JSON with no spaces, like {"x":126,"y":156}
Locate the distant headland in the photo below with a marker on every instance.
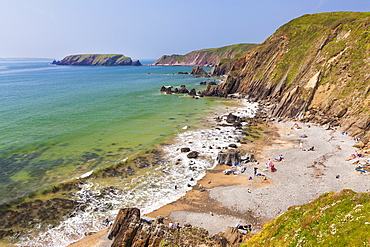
{"x":97,"y":60}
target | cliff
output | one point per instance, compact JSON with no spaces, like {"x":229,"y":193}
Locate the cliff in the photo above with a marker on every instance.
{"x":97,"y":60}
{"x":314,"y":68}
{"x":205,"y":57}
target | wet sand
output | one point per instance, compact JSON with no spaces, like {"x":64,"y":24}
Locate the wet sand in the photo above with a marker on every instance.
{"x":227,"y":200}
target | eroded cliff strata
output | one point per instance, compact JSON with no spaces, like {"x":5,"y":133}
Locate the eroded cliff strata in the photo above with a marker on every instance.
{"x":314,"y":68}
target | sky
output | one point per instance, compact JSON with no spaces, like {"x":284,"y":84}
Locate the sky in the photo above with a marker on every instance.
{"x":146,"y":29}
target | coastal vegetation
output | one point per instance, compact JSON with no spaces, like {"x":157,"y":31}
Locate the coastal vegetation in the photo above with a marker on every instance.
{"x":97,"y":60}
{"x":314,"y":68}
{"x":333,"y":219}
{"x":205,"y":57}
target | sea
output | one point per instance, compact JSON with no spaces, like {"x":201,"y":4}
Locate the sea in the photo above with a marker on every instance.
{"x":59,"y":123}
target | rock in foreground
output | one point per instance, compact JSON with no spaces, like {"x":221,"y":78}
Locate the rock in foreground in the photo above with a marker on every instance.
{"x":130,"y":230}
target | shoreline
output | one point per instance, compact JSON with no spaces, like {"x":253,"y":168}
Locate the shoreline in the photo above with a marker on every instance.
{"x":301,"y":178}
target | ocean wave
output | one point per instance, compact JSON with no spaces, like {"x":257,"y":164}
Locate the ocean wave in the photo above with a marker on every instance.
{"x":147,"y":191}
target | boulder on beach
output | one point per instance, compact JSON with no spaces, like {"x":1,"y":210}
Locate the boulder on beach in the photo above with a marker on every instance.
{"x":231,"y":159}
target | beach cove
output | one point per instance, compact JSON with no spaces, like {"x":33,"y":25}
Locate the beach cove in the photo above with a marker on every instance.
{"x":227,"y":200}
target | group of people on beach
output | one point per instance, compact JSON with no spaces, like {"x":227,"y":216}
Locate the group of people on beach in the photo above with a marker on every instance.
{"x":174,"y":225}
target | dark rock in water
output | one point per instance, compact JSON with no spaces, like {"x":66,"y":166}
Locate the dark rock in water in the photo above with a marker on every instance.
{"x":199,"y":71}
{"x":212,"y":83}
{"x":136,"y":63}
{"x":233,"y":146}
{"x":193,"y":92}
{"x":231,"y":159}
{"x":232,"y":118}
{"x":30,"y":214}
{"x":182,"y":89}
{"x":167,"y":89}
{"x":142,"y":162}
{"x":183,"y":73}
{"x":193,"y":155}
{"x":185,"y":150}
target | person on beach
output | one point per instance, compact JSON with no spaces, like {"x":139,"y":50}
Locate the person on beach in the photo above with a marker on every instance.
{"x":255,"y":170}
{"x":170,"y":224}
{"x":272,"y":166}
{"x":268,"y":163}
{"x":200,"y":187}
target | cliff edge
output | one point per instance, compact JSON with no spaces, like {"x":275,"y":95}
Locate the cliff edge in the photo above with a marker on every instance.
{"x":97,"y":60}
{"x":205,"y":57}
{"x":314,"y":68}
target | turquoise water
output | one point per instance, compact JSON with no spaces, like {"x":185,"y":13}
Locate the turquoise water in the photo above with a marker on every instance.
{"x":58,"y":122}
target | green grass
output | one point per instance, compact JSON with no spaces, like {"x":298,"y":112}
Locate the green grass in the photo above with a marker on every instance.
{"x":334,"y":219}
{"x":226,"y":52}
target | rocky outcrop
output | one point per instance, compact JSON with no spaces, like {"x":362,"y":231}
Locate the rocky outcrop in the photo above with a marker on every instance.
{"x":199,"y":71}
{"x":223,"y":67}
{"x":168,"y":90}
{"x":314,"y":68}
{"x":205,"y":57}
{"x":129,"y":230}
{"x":97,"y":60}
{"x":231,"y":158}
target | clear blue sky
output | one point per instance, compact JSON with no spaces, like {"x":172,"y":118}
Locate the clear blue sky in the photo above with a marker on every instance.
{"x":146,"y":28}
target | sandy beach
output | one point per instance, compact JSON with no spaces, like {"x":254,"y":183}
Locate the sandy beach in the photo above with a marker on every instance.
{"x":227,"y":200}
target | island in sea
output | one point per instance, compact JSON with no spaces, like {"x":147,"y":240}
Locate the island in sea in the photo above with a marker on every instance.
{"x":97,"y":60}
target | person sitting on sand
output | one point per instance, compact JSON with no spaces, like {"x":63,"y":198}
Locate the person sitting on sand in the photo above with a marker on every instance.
{"x":303,"y":136}
{"x":170,"y":224}
{"x":272,"y":166}
{"x":280,"y":158}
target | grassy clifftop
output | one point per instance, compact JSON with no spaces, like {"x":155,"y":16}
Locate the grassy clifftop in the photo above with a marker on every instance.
{"x":97,"y":60}
{"x":314,"y":68}
{"x":334,"y":219}
{"x":205,"y":57}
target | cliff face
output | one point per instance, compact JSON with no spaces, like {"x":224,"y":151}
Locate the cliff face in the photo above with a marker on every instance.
{"x":97,"y":60}
{"x":206,"y":57}
{"x":314,"y":68}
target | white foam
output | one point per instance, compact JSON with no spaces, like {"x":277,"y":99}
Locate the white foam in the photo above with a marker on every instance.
{"x":148,"y":191}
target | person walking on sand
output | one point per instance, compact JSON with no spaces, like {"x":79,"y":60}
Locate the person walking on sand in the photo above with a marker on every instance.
{"x":200,"y":187}
{"x":255,"y":170}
